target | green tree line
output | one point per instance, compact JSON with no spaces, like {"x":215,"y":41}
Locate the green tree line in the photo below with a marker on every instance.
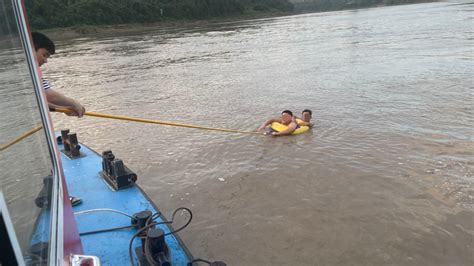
{"x":329,"y":5}
{"x":64,"y":13}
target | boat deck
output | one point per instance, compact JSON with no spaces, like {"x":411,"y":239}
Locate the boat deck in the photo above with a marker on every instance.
{"x":83,"y":180}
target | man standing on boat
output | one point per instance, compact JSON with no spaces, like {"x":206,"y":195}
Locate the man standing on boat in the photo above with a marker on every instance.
{"x":44,"y":48}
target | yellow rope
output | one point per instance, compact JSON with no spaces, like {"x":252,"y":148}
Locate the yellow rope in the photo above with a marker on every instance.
{"x":141,"y":120}
{"x":25,"y":135}
{"x":126,"y":118}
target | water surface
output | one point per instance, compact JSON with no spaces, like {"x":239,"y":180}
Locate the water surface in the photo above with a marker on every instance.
{"x":384,"y":178}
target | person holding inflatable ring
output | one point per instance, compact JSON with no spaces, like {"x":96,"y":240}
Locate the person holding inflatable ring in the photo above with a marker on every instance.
{"x":287,"y":119}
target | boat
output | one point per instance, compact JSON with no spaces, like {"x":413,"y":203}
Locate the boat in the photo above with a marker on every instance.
{"x":115,"y":224}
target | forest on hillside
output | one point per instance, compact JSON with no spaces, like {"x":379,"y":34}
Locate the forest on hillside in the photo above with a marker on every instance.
{"x":43,"y":14}
{"x":65,"y":13}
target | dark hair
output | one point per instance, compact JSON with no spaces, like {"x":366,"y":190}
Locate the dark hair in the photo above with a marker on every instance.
{"x":287,"y":112}
{"x":42,"y":41}
{"x":307,"y":110}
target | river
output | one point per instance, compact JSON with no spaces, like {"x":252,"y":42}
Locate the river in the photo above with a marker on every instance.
{"x":384,"y":178}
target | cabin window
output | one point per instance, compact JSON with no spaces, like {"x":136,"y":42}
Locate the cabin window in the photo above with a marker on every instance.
{"x":26,"y":178}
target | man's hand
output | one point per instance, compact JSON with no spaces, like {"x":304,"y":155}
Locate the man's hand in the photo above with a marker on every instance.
{"x":273,"y":134}
{"x":79,"y":110}
{"x":57,"y":99}
{"x":76,"y":110}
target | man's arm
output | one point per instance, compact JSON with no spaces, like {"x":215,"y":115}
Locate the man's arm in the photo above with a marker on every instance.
{"x":56,"y":99}
{"x":291,"y":127}
{"x":303,"y":123}
{"x":268,"y":122}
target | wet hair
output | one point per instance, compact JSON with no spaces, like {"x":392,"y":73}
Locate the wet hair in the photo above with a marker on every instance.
{"x":307,"y":110}
{"x":42,"y":41}
{"x":287,"y":112}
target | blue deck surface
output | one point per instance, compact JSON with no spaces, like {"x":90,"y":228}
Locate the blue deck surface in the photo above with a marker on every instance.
{"x":83,"y":180}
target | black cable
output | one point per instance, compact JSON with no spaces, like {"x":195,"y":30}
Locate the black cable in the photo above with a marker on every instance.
{"x":147,"y":226}
{"x":140,"y":234}
{"x":106,"y":230}
{"x":133,"y":238}
{"x":184,"y":226}
{"x":157,"y":214}
{"x":149,"y":256}
{"x":198,"y":260}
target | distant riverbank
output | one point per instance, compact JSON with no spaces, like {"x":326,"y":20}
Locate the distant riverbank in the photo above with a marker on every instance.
{"x":65,"y":33}
{"x":59,"y":14}
{"x":124,"y":29}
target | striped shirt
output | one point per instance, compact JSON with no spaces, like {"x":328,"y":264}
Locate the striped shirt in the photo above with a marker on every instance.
{"x":46,"y":84}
